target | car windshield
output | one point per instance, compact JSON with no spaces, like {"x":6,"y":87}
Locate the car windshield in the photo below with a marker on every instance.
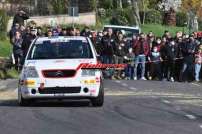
{"x":72,"y":49}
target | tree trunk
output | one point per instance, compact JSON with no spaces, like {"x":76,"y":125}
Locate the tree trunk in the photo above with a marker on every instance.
{"x":136,"y":14}
{"x":143,"y":5}
{"x":121,"y":4}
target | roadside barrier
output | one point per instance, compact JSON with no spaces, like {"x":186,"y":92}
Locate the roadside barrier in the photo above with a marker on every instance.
{"x":115,"y":66}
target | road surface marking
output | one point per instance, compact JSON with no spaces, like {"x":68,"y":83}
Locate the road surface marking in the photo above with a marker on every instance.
{"x":198,"y":85}
{"x":118,"y":81}
{"x":200,"y":126}
{"x":133,"y":88}
{"x":166,"y":101}
{"x":124,"y":84}
{"x":191,"y":117}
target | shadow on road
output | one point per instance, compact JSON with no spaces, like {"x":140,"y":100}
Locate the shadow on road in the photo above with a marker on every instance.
{"x":55,"y":103}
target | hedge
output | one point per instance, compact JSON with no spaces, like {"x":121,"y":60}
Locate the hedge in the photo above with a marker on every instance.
{"x":181,"y":19}
{"x":154,"y":17}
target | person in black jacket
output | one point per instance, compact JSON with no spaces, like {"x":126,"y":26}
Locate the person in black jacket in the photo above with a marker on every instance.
{"x":20,"y":17}
{"x":188,"y":51}
{"x":108,"y":42}
{"x":108,"y":53}
{"x":120,"y":52}
{"x":171,"y":54}
{"x":27,"y":40}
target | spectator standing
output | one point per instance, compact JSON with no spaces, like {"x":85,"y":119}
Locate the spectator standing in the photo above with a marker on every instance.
{"x":27,"y":40}
{"x":85,"y":32}
{"x":13,"y":31}
{"x":17,"y":50}
{"x":141,"y":50}
{"x":188,"y":51}
{"x":20,"y":17}
{"x":155,"y":59}
{"x":108,"y":42}
{"x":120,"y":52}
{"x":171,"y":54}
{"x":198,"y":62}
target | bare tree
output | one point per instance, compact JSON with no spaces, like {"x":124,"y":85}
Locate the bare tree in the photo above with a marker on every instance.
{"x":136,"y":11}
{"x":121,"y":4}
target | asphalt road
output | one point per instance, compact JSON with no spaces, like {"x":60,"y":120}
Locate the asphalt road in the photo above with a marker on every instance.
{"x":131,"y":107}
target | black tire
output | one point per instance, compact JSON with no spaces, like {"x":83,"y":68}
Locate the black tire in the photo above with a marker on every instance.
{"x":22,"y":101}
{"x":99,"y":101}
{"x":25,"y":102}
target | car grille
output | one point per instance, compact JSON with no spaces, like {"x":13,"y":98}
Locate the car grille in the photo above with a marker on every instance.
{"x":57,"y":90}
{"x":58,"y":73}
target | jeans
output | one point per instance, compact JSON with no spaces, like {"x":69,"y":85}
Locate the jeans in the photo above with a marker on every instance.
{"x":129,"y":71}
{"x":187,"y":72}
{"x":107,"y":59}
{"x":140,"y":59}
{"x":197,"y":71}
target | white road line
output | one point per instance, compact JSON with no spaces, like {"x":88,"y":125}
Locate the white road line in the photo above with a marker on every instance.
{"x":124,"y":84}
{"x":118,"y":81}
{"x":191,"y":117}
{"x":200,"y":126}
{"x":166,"y":101}
{"x":133,"y":88}
{"x":198,"y":85}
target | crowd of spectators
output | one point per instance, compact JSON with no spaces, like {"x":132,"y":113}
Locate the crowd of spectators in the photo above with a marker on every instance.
{"x":172,"y":58}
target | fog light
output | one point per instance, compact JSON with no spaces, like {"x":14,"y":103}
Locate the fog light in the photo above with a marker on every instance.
{"x":85,"y":90}
{"x":33,"y":91}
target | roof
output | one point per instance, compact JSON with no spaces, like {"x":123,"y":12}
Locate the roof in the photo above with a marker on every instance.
{"x":116,"y":26}
{"x":60,"y":38}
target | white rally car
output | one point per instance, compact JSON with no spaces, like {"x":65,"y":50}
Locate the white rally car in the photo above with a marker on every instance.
{"x":52,"y":71}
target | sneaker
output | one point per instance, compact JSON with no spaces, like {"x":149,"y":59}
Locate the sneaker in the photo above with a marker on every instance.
{"x":135,"y":78}
{"x":143,"y":78}
{"x":197,"y":80}
{"x":172,"y":79}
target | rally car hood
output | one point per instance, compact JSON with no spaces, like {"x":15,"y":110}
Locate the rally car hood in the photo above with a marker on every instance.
{"x":58,"y":64}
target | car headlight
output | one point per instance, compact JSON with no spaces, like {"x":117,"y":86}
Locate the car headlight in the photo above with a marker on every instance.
{"x":30,"y":72}
{"x":89,"y":72}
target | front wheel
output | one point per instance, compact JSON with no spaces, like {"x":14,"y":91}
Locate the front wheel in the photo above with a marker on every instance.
{"x":99,"y":101}
{"x":22,"y":101}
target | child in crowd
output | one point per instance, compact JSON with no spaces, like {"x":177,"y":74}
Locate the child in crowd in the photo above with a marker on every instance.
{"x":198,"y":62}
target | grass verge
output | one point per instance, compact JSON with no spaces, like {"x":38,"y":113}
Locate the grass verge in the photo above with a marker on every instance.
{"x":5,"y":48}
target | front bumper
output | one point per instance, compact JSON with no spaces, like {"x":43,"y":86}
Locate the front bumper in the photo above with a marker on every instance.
{"x":32,"y":88}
